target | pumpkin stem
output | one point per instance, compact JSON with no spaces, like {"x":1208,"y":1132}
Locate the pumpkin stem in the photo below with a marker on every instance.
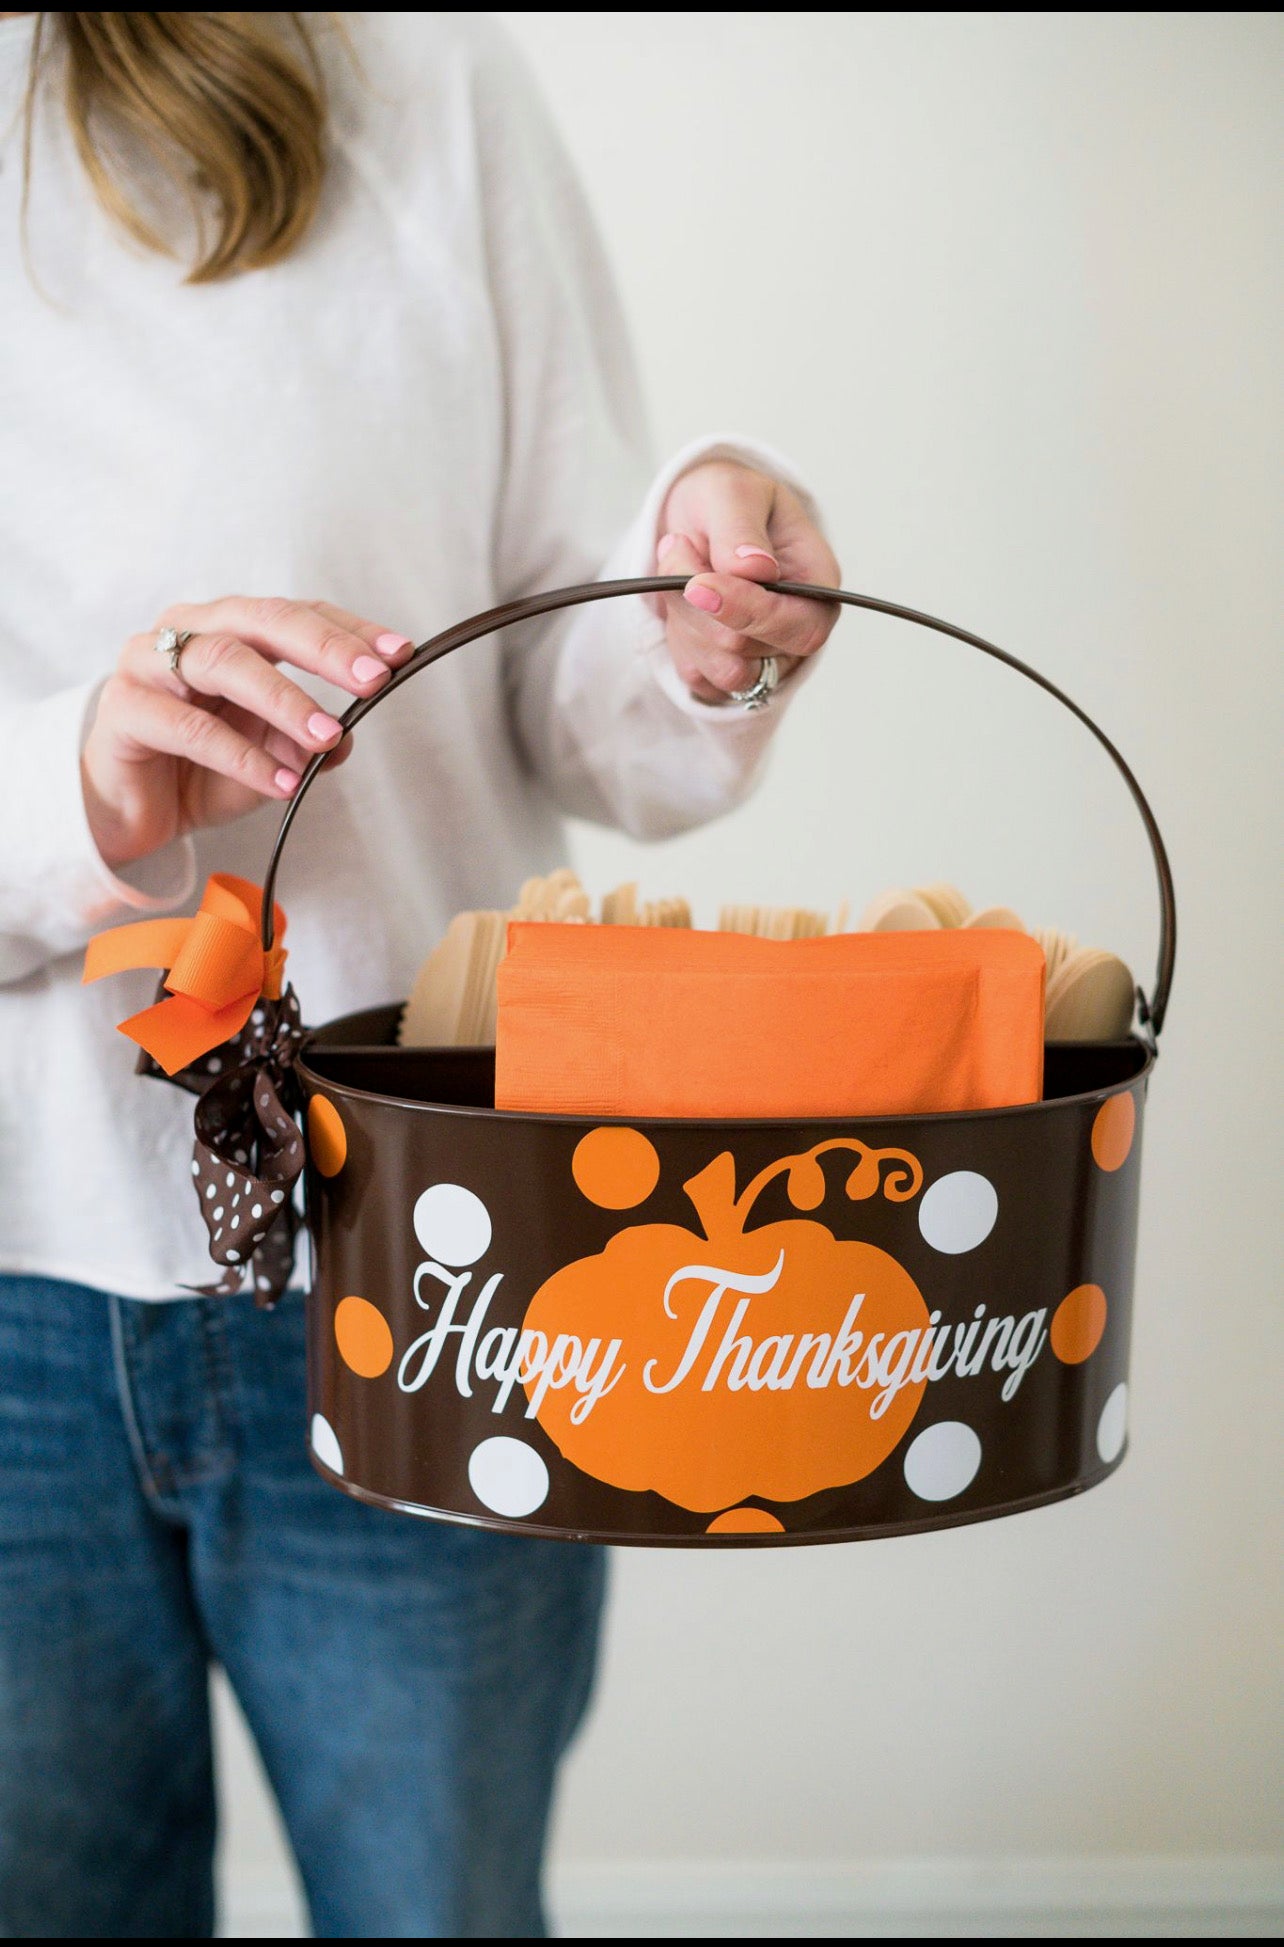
{"x":713,"y":1193}
{"x":755,"y":1187}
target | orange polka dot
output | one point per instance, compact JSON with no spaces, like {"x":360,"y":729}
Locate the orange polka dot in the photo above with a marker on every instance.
{"x":363,"y":1336}
{"x":616,"y":1168}
{"x":1112,"y":1132}
{"x":745,"y":1521}
{"x":1077,"y":1324}
{"x":327,"y":1137}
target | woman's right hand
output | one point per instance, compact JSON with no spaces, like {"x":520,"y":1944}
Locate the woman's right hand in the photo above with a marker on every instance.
{"x":170,"y":752}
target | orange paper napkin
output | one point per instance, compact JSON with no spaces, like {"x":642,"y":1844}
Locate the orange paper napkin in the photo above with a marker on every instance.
{"x":641,"y":1021}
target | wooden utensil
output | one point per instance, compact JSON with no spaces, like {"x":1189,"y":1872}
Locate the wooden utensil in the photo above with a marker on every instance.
{"x":665,"y":912}
{"x":620,"y":908}
{"x":899,"y":911}
{"x":947,"y":902}
{"x":1057,"y":947}
{"x":738,"y":919}
{"x":1002,"y":916}
{"x":477,"y":1018}
{"x":773,"y":922}
{"x":452,"y":1002}
{"x":808,"y":925}
{"x":559,"y":897}
{"x":1090,"y":998}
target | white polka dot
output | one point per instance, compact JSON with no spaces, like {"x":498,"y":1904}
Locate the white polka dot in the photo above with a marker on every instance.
{"x":218,"y":1215}
{"x":214,"y":1064}
{"x":958,"y":1212}
{"x":1113,"y":1424}
{"x":943,"y":1461}
{"x":196,"y":1168}
{"x":211,"y":1190}
{"x":257,"y":1210}
{"x":278,"y":1196}
{"x":325,"y":1441}
{"x":230,"y":1179}
{"x":453,"y":1226}
{"x":234,"y":1257}
{"x":507,"y":1476}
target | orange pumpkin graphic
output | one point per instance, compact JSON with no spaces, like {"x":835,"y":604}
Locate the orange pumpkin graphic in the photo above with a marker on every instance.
{"x":772,"y":1362}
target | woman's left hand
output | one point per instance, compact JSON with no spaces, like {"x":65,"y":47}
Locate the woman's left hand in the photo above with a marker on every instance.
{"x":729,"y":528}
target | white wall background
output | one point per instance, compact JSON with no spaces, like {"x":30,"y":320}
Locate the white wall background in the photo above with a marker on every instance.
{"x":1005,"y":286}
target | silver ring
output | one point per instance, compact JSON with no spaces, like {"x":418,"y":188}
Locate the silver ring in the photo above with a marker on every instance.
{"x":171,"y":643}
{"x":759,"y":693}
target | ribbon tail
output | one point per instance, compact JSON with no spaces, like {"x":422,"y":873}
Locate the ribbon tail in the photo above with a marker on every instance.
{"x":147,"y":943}
{"x":247,"y":1159}
{"x":274,"y":1259}
{"x":175,"y":1031}
{"x":225,"y":1287}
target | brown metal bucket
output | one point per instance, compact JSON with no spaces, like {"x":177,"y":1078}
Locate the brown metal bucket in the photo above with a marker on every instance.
{"x":711,"y":1333}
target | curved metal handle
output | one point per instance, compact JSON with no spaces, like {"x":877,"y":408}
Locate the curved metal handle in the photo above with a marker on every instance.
{"x":1152,"y":1010}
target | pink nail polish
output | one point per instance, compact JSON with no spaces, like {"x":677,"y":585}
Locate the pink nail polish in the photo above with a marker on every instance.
{"x":701,"y":596}
{"x":322,"y":727}
{"x":389,"y":644}
{"x":287,"y":781}
{"x":745,"y":553}
{"x":365,"y":669}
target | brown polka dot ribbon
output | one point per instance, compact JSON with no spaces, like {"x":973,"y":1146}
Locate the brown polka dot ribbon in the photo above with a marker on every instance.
{"x":249,"y":1152}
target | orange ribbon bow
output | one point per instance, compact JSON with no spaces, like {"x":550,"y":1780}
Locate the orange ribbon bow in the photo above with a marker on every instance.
{"x":217,"y":970}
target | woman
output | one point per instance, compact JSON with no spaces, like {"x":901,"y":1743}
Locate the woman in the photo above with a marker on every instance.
{"x":387,"y":368}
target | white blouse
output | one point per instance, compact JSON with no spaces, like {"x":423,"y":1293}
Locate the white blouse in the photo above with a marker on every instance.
{"x":430,"y":407}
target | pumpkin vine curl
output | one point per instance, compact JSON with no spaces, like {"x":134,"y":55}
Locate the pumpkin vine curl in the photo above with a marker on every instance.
{"x":805,"y":1185}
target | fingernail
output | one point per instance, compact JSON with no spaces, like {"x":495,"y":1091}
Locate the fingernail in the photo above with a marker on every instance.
{"x":286,"y":781}
{"x":365,"y":669}
{"x":745,"y":552}
{"x":389,"y":644}
{"x":322,"y":727}
{"x":667,"y":541}
{"x":700,"y":595}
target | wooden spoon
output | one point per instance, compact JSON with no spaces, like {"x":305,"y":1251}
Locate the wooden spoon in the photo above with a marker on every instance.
{"x":947,"y":902}
{"x":899,"y":912}
{"x":998,"y":916}
{"x":1090,"y":998}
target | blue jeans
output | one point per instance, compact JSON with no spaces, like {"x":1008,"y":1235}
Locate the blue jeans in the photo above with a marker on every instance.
{"x":411,"y":1686}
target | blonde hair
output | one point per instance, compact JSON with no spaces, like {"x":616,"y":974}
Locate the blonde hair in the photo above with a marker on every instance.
{"x":233,"y":114}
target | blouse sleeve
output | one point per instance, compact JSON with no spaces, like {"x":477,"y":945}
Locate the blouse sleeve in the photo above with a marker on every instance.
{"x":55,"y":889}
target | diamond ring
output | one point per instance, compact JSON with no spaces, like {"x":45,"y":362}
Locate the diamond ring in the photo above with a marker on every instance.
{"x":759,"y":693}
{"x":171,"y":643}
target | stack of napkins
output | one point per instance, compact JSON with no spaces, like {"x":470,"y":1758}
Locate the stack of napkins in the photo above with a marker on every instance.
{"x":665,"y":1021}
